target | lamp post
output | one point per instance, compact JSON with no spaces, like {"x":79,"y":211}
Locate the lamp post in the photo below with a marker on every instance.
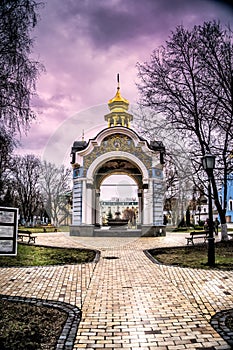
{"x":208,"y":162}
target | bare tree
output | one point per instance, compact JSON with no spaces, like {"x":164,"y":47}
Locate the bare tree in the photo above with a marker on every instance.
{"x":25,"y":172}
{"x":178,"y":172}
{"x":18,"y":72}
{"x":55,"y":184}
{"x":7,"y":144}
{"x":189,"y":83}
{"x":18,"y":75}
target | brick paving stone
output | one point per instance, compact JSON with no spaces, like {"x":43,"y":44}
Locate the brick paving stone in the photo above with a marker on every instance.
{"x":129,"y":302}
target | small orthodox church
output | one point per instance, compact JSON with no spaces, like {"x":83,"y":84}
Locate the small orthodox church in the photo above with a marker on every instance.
{"x":117,"y":149}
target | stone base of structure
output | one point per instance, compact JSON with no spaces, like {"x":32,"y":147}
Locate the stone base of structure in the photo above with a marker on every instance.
{"x":92,"y":231}
{"x":153,"y":231}
{"x":82,"y":230}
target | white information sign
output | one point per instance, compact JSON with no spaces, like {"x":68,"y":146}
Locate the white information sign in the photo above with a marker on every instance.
{"x":6,"y":217}
{"x":8,"y":230}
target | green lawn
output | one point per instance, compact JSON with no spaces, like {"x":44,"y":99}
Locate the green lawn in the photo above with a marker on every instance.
{"x":40,"y":229}
{"x":196,"y":256}
{"x":29,"y":255}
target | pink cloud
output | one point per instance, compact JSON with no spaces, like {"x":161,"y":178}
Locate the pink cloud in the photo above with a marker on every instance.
{"x":84,"y":44}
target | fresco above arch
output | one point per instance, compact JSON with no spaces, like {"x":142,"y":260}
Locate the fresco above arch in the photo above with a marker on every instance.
{"x":118,"y":166}
{"x":117,"y":142}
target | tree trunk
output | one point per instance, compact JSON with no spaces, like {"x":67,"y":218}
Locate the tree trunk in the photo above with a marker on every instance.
{"x":224,"y":235}
{"x":221,"y":211}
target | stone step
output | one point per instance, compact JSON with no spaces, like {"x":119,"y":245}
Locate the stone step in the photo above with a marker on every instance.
{"x":117,"y":233}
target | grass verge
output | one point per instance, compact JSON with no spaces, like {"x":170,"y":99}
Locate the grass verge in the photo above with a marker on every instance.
{"x":229,"y":322}
{"x":29,"y":255}
{"x":196,"y":256}
{"x":29,"y":327}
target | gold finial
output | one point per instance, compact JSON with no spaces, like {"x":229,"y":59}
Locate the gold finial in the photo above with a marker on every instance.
{"x":118,"y":96}
{"x":83,"y":135}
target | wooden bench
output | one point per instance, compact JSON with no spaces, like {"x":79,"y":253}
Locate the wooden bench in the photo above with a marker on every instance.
{"x":27,"y":234}
{"x":195,"y":235}
{"x":50,"y":228}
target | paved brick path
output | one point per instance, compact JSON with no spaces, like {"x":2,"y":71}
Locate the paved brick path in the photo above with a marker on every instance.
{"x":128,"y":302}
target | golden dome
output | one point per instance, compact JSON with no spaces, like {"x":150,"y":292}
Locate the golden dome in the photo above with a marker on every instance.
{"x":118,"y":106}
{"x":118,"y":98}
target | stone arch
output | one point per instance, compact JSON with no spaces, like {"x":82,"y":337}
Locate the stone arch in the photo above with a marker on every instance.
{"x":92,"y":172}
{"x":117,"y":155}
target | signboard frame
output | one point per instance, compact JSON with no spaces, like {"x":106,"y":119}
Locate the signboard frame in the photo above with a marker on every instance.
{"x":8,"y":230}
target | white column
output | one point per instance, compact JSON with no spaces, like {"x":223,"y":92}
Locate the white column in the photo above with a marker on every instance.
{"x":84,"y":202}
{"x":158,"y":195}
{"x":77,"y":203}
{"x":89,"y":204}
{"x":150,"y":202}
{"x":140,"y":207}
{"x":146,"y":207}
{"x":97,"y":206}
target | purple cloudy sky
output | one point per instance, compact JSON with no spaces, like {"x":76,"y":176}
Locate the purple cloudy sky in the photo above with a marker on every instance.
{"x":83,"y":45}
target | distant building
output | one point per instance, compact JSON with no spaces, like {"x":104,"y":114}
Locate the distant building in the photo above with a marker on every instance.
{"x":229,"y":211}
{"x":116,"y":208}
{"x":201,"y":212}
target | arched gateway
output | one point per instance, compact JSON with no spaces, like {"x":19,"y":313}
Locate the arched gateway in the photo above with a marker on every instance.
{"x":117,"y":150}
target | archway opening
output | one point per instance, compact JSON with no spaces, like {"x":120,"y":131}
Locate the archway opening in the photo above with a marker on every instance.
{"x":119,"y":204}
